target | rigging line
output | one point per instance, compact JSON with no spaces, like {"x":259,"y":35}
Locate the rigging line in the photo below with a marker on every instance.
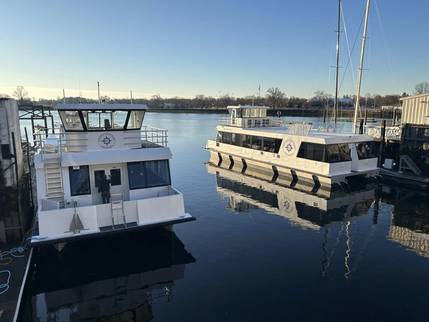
{"x":348,"y":45}
{"x":353,"y":48}
{"x":384,"y":39}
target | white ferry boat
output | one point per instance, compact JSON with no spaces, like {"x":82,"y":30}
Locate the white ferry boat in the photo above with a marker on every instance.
{"x":103,"y":173}
{"x":291,"y":154}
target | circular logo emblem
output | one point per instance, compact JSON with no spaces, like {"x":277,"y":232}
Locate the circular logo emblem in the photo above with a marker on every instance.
{"x":106,"y":140}
{"x":290,"y":147}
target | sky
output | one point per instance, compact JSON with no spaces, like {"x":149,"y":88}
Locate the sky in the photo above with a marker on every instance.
{"x":189,"y":47}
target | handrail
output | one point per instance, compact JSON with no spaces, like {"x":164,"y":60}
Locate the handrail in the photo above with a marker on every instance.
{"x":149,"y":137}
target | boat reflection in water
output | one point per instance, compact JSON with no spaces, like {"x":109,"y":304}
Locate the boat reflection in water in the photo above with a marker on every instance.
{"x":111,"y":279}
{"x":410,"y":220}
{"x":308,"y":211}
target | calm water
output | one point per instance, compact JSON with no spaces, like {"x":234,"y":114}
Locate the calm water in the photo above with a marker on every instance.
{"x":255,"y":253}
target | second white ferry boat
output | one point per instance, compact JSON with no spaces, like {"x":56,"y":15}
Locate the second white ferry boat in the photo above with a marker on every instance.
{"x":102,"y":173}
{"x":291,"y":154}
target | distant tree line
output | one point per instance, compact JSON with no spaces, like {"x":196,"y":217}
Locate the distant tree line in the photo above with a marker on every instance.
{"x":274,"y":97}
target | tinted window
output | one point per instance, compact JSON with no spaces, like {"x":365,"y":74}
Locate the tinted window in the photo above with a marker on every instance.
{"x":330,"y":153}
{"x":272,"y":145}
{"x":115,"y":177}
{"x":79,"y":181}
{"x":337,"y":153}
{"x":148,"y":174}
{"x":312,"y":151}
{"x":250,"y":141}
{"x":365,"y":150}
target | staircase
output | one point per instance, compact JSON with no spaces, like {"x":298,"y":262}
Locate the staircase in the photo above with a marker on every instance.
{"x":53,"y":178}
{"x":407,"y":164}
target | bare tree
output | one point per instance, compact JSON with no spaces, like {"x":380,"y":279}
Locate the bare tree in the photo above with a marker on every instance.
{"x":421,"y":88}
{"x":4,"y":95}
{"x":20,"y":93}
{"x":275,"y":96}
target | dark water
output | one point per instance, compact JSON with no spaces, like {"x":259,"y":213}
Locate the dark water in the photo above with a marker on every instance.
{"x":255,"y":253}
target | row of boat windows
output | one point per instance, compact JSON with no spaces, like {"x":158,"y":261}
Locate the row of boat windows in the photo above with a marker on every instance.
{"x":141,"y":175}
{"x":250,"y":141}
{"x":329,"y":153}
{"x":332,"y":153}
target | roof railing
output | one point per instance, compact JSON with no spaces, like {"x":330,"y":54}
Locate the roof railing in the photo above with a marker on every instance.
{"x":58,"y":142}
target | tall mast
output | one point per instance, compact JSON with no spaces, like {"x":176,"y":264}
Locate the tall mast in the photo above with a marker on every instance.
{"x":362,"y":57}
{"x":337,"y":66}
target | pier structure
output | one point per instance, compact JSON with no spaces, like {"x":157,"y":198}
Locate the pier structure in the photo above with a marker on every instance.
{"x":404,"y":143}
{"x":11,"y":156}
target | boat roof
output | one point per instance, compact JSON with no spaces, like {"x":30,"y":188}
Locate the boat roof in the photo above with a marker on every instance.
{"x":248,"y":107}
{"x":313,"y":136}
{"x":99,"y":107}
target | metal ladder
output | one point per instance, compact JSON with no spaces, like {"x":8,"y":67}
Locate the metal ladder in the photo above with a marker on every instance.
{"x":117,"y":210}
{"x":53,"y":178}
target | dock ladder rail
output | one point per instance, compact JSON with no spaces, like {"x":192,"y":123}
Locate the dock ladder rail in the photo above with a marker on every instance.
{"x":117,"y":210}
{"x":406,"y":163}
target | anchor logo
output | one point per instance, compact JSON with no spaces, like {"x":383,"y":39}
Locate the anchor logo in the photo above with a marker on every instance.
{"x":106,"y":140}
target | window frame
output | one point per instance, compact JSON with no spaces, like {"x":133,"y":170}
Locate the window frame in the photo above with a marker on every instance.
{"x":145,"y":175}
{"x":70,"y":181}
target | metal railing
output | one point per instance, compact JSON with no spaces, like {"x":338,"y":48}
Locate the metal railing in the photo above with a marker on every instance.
{"x":252,"y":122}
{"x":150,"y":137}
{"x":393,"y":132}
{"x":154,"y":136}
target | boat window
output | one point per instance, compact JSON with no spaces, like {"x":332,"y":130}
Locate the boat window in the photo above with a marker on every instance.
{"x":257,"y":143}
{"x":237,"y":139}
{"x":365,"y":150}
{"x":337,"y":153}
{"x":115,"y":177}
{"x":312,"y":151}
{"x":98,"y":120}
{"x":247,"y":141}
{"x":119,"y":119}
{"x":329,"y":153}
{"x":272,"y":145}
{"x":79,"y":180}
{"x":148,"y":174}
{"x":71,"y":120}
{"x":136,"y":120}
{"x":250,"y":141}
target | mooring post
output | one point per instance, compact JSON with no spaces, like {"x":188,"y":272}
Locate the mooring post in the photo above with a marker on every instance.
{"x":18,"y":187}
{"x":30,"y":179}
{"x":383,"y":137}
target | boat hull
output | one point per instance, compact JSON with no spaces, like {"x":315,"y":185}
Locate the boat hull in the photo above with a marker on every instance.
{"x":288,"y":176}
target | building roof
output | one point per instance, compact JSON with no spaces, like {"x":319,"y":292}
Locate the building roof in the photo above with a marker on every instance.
{"x":98,"y":107}
{"x":413,"y":97}
{"x":248,"y":107}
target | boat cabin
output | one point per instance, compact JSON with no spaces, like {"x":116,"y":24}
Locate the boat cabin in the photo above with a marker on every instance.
{"x":247,"y":116}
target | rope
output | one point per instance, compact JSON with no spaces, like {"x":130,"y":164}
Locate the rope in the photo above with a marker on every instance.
{"x":4,"y":287}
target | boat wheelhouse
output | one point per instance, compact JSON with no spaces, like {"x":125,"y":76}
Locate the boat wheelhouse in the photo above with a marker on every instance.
{"x":103,"y":172}
{"x":291,"y":154}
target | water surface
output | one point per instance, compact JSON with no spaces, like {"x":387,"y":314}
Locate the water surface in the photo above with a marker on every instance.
{"x":254,"y":254}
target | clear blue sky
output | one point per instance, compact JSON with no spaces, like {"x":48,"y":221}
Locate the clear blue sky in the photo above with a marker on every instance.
{"x":189,"y":47}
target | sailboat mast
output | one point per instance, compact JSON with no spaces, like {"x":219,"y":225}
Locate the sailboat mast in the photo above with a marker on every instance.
{"x":362,"y":57}
{"x":337,"y":66}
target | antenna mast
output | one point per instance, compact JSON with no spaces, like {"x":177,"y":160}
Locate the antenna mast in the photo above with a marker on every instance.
{"x":362,"y":57}
{"x":337,"y":66}
{"x":98,"y":89}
